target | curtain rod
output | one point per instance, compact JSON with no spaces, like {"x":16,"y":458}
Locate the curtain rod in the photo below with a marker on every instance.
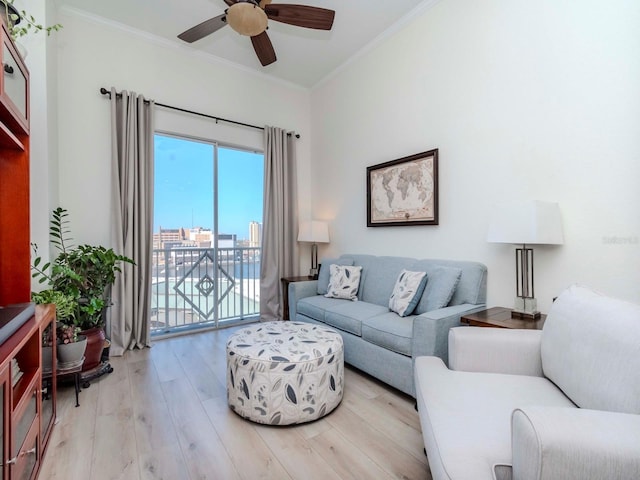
{"x":104,"y":91}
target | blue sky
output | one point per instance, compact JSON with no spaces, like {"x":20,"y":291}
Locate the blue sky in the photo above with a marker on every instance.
{"x":184,"y":186}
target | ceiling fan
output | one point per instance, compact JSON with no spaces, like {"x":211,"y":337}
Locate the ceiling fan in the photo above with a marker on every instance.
{"x":249,"y":18}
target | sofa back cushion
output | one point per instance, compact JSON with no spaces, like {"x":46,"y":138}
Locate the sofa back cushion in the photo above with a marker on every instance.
{"x":441,"y":285}
{"x":379,"y":275}
{"x":591,"y":350}
{"x":471,"y":286}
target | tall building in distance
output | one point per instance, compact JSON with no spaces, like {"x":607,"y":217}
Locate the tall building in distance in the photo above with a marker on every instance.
{"x":195,"y":237}
{"x":255,"y":234}
{"x":168,"y":237}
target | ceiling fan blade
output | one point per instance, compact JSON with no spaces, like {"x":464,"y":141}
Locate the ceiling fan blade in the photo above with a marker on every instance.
{"x":203,"y":29}
{"x":301,"y":15}
{"x":264,"y":49}
{"x":229,"y":2}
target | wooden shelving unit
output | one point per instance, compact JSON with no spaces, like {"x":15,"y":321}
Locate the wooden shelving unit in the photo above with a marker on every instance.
{"x":28,"y":409}
{"x":15,"y":275}
{"x":28,"y":406}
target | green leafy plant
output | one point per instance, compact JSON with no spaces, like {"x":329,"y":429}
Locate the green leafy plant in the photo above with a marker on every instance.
{"x":66,"y":306}
{"x":67,"y":334}
{"x":84,"y":273}
{"x":20,"y":23}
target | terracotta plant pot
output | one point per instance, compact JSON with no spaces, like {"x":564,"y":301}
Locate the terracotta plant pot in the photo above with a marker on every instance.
{"x":95,"y":344}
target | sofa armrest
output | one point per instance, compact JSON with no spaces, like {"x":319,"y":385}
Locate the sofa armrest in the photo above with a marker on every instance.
{"x":431,"y":329}
{"x":495,"y":350}
{"x":573,"y":443}
{"x":298,"y":290}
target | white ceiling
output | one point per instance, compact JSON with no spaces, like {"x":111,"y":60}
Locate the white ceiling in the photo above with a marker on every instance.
{"x":305,"y":56}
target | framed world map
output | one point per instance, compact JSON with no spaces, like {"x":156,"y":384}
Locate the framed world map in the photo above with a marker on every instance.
{"x":403,"y":191}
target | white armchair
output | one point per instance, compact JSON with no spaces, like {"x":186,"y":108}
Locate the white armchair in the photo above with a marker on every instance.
{"x":574,"y":444}
{"x":561,"y":403}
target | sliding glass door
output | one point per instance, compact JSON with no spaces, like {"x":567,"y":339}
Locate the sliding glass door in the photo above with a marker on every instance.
{"x":207,"y":226}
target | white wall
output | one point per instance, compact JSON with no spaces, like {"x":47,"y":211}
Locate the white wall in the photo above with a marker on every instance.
{"x":524,"y":101}
{"x":43,"y":134}
{"x":93,"y":54}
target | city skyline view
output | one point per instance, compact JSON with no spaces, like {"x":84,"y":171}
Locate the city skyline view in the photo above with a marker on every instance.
{"x":184,"y":186}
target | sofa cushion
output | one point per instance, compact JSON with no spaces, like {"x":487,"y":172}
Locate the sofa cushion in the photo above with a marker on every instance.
{"x":379,"y":276}
{"x":466,"y":441}
{"x":316,"y":307}
{"x":472,"y":287}
{"x":323,"y":275}
{"x":591,"y":350}
{"x":344,"y":282}
{"x":441,"y":283}
{"x":348,"y":316}
{"x":407,"y":292}
{"x":389,"y":331}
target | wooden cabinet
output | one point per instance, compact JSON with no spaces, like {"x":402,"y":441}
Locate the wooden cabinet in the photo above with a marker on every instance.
{"x":15,"y":275}
{"x":14,"y":86}
{"x":28,"y":408}
{"x":5,"y":397}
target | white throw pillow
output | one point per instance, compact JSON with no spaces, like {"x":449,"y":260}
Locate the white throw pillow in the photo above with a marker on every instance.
{"x":344,"y":282}
{"x":407,"y":292}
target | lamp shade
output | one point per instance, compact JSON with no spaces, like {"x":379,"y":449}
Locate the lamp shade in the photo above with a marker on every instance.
{"x":528,"y":222}
{"x":314,"y":232}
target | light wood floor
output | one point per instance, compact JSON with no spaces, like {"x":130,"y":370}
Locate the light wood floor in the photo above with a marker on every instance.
{"x":162,"y":414}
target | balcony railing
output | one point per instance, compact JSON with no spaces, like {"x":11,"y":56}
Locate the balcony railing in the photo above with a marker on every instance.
{"x":204,"y":287}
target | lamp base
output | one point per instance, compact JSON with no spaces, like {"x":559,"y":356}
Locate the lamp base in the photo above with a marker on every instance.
{"x":525,"y":308}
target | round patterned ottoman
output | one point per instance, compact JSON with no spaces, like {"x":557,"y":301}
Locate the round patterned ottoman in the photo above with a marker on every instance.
{"x":281,"y":373}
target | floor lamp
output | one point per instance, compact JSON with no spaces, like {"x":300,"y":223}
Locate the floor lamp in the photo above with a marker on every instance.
{"x":526,"y":223}
{"x":314,"y":232}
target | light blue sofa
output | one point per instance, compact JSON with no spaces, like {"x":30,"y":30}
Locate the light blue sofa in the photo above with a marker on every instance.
{"x":377,"y":340}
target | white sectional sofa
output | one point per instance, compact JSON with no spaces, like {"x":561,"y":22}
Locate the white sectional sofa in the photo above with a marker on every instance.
{"x":562,"y":403}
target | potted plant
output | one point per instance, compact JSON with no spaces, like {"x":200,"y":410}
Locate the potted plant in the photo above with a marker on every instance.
{"x":85,"y":273}
{"x":20,"y":23}
{"x":70,"y":346}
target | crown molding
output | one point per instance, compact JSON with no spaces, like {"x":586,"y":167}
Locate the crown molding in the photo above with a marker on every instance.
{"x":393,"y":29}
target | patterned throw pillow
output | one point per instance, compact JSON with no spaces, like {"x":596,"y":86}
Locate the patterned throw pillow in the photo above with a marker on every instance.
{"x":343,"y":282}
{"x":407,"y":292}
{"x":325,"y":266}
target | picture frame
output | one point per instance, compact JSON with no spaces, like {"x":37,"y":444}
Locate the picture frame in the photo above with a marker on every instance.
{"x":404,"y":191}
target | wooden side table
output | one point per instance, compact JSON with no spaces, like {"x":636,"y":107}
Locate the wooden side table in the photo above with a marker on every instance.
{"x":500,"y":317}
{"x":285,"y":291}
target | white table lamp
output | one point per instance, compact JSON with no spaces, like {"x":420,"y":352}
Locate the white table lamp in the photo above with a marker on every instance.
{"x":314,"y":232}
{"x":521,"y":223}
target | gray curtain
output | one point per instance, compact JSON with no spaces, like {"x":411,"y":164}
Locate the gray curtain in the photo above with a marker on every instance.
{"x":132,"y":128}
{"x":280,"y":229}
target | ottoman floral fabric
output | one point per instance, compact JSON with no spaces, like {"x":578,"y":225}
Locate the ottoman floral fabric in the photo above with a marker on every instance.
{"x":281,"y":373}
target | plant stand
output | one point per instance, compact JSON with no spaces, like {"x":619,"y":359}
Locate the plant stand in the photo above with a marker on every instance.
{"x":64,"y":374}
{"x":103,"y":368}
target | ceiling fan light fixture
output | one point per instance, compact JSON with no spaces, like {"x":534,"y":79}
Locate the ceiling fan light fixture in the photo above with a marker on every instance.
{"x":247,"y":18}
